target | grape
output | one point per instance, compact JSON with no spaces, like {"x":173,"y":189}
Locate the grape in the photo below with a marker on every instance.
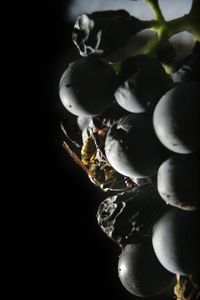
{"x":176,"y":118}
{"x":132,"y":147}
{"x":123,"y":216}
{"x":185,"y":73}
{"x":176,"y":241}
{"x":140,"y":271}
{"x":83,"y":122}
{"x":103,"y":32}
{"x":142,"y":82}
{"x":189,"y":69}
{"x":178,"y":181}
{"x":166,"y":54}
{"x":87,"y":87}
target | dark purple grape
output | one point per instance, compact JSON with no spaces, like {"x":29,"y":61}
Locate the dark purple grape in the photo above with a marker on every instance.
{"x":166,"y":54}
{"x":143,"y":81}
{"x":140,"y":271}
{"x":126,"y":215}
{"x":185,"y":73}
{"x":176,"y":118}
{"x":189,"y":67}
{"x":178,"y":181}
{"x":83,"y":122}
{"x":87,"y":87}
{"x":103,"y":32}
{"x":176,"y":241}
{"x":132,"y":147}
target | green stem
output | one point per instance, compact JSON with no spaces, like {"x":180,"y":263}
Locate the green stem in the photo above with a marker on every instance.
{"x":165,"y":30}
{"x":154,"y":5}
{"x":177,"y":25}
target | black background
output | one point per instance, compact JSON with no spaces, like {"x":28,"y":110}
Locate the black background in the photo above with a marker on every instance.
{"x":50,"y":242}
{"x":49,"y":238}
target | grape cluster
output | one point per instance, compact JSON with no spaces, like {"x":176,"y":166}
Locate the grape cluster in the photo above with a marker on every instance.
{"x":135,"y":128}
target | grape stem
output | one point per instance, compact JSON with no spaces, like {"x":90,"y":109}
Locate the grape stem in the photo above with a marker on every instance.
{"x":154,"y":5}
{"x":165,"y":29}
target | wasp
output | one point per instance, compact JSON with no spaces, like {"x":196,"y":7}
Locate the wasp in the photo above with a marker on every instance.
{"x":91,"y":158}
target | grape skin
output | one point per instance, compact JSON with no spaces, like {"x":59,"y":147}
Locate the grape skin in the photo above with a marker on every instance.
{"x":178,"y":181}
{"x":139,"y":270}
{"x":132,"y":147}
{"x":87,"y":87}
{"x":139,"y":90}
{"x":176,"y":241}
{"x":176,"y":118}
{"x":188,"y":70}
